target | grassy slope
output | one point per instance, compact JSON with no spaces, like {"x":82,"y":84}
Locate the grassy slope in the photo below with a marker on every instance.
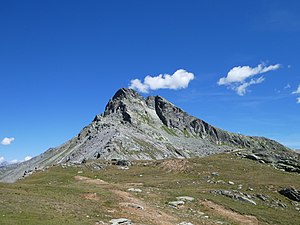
{"x":55,"y":197}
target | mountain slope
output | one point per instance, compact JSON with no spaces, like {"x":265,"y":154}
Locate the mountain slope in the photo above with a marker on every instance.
{"x":86,"y":195}
{"x":135,"y":128}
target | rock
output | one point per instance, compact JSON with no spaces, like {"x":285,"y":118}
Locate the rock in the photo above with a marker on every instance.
{"x":175,"y":204}
{"x":215,"y":174}
{"x":262,"y":197}
{"x":185,"y":198}
{"x":221,"y":182}
{"x":252,"y":156}
{"x":200,"y":213}
{"x":185,"y":223}
{"x":122,"y":221}
{"x":280,"y":159}
{"x":275,"y":203}
{"x":245,"y":199}
{"x":287,"y":167}
{"x":134,"y":190}
{"x":123,"y":167}
{"x":235,"y":195}
{"x":132,"y":205}
{"x":123,"y":163}
{"x":230,"y":182}
{"x":291,"y":193}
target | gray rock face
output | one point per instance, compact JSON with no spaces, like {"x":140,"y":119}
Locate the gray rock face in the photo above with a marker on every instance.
{"x":176,"y":204}
{"x":185,"y":198}
{"x":291,"y":193}
{"x":285,"y":160}
{"x":123,"y":221}
{"x":239,"y":196}
{"x":134,"y":128}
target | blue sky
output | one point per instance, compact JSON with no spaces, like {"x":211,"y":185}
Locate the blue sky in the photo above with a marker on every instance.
{"x":61,"y":61}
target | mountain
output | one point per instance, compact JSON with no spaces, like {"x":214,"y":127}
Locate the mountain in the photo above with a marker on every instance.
{"x":135,"y":128}
{"x":4,"y":163}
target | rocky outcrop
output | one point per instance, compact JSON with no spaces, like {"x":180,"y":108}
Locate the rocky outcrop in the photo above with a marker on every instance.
{"x":134,"y":128}
{"x":175,"y":118}
{"x":239,"y":196}
{"x":291,"y":193}
{"x":280,"y":159}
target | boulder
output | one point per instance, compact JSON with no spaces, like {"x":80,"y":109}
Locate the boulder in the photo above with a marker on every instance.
{"x":235,"y":195}
{"x":122,"y":221}
{"x":175,"y":204}
{"x":185,"y":198}
{"x":291,"y":193}
{"x":134,"y":190}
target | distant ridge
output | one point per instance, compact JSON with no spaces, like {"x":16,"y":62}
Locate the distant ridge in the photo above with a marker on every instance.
{"x":134,"y":128}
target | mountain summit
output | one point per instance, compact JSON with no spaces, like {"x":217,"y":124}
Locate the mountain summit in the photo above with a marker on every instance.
{"x":134,"y":128}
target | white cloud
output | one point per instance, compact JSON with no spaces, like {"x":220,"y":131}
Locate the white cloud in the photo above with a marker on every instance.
{"x":287,"y":86}
{"x":2,"y":159}
{"x":7,"y":141}
{"x":297,"y":92}
{"x":4,"y":162}
{"x":242,"y":89}
{"x":19,"y":161}
{"x":27,"y":158}
{"x":14,"y":161}
{"x":238,"y":77}
{"x":138,"y":85}
{"x":179,"y":80}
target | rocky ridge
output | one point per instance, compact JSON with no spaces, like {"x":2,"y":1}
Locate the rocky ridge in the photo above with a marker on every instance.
{"x":135,"y":128}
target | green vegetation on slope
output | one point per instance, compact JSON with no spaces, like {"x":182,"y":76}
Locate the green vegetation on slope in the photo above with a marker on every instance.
{"x":56,"y":197}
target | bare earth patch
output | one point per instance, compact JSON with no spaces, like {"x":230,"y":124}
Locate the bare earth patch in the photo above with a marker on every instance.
{"x":229,"y":214}
{"x":175,"y":165}
{"x":90,"y":196}
{"x":90,"y":181}
{"x":133,"y":207}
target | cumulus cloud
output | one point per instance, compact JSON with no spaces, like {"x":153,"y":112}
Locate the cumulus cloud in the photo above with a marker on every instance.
{"x":297,"y":92}
{"x":241,"y":77}
{"x":7,"y":141}
{"x":178,"y":80}
{"x":19,"y":161}
{"x":242,"y":89}
{"x":27,"y":158}
{"x":2,"y":160}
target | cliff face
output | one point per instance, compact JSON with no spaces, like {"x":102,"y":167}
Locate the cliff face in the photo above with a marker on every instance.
{"x":135,"y":128}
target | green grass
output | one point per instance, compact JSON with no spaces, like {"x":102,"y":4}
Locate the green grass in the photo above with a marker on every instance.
{"x":186,"y":133}
{"x":55,"y":197}
{"x":169,"y":130}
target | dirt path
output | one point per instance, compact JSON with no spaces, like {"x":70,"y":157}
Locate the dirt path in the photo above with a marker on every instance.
{"x":135,"y":208}
{"x":91,"y":181}
{"x":229,"y":214}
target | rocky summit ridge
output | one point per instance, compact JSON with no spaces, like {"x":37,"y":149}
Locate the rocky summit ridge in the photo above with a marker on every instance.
{"x":134,"y":128}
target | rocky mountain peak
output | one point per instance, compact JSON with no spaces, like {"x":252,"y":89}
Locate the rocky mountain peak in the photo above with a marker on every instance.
{"x":132,"y":127}
{"x":130,"y":106}
{"x":125,"y":93}
{"x":123,"y":101}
